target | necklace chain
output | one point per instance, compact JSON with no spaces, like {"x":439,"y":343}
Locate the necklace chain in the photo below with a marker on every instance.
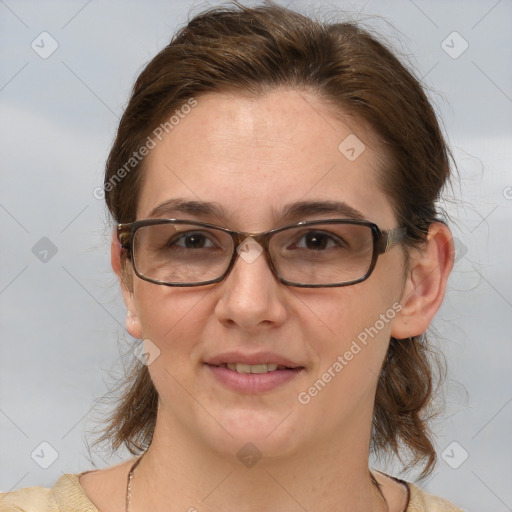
{"x":134,"y":467}
{"x":129,"y":483}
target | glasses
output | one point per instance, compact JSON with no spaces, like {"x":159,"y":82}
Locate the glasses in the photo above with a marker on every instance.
{"x":310,"y":254}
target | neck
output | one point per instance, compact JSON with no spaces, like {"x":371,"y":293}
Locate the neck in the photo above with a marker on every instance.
{"x":182,"y":473}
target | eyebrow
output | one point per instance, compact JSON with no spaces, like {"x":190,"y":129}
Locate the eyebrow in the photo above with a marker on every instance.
{"x":309,"y":208}
{"x":290,"y":212}
{"x":191,"y":207}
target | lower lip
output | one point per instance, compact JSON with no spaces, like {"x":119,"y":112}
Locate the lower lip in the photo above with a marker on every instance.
{"x":253,"y":382}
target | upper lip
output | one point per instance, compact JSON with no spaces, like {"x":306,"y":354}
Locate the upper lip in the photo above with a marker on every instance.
{"x":252,"y":359}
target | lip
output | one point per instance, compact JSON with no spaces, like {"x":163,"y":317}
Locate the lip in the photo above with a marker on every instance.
{"x":252,"y":383}
{"x":255,"y":358}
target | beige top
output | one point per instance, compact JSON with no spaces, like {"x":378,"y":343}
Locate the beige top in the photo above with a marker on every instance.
{"x":67,"y":495}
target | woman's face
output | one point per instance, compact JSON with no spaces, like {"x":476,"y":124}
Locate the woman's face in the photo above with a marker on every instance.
{"x":254,"y":158}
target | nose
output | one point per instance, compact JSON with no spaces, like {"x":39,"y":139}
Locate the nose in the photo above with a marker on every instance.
{"x":252,"y":297}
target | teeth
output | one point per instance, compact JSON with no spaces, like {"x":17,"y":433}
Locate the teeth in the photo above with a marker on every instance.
{"x":252,"y":368}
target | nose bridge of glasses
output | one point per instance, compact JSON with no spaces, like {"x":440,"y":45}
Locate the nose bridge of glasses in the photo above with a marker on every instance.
{"x":250,"y":246}
{"x":241,"y":238}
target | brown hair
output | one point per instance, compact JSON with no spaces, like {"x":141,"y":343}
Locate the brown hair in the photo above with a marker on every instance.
{"x":253,"y":50}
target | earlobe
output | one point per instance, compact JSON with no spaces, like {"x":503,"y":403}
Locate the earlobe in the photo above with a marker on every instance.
{"x":133,"y":325}
{"x":425,"y":286}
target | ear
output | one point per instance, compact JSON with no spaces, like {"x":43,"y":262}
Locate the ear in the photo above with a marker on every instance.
{"x":120,"y":266}
{"x":425,"y":285}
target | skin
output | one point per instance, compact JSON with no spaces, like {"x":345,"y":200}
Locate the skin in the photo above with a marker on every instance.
{"x":235,"y":150}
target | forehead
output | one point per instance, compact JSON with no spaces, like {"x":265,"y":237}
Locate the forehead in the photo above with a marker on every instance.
{"x":252,"y":155}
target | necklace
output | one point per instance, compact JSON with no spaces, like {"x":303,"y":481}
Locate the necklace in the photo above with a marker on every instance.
{"x":137,"y":462}
{"x":129,"y":483}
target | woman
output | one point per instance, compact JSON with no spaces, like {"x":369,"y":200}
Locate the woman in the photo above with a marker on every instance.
{"x":279,"y":252}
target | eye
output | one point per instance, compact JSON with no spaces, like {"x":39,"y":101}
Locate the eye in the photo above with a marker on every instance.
{"x":192,"y":240}
{"x":318,"y":241}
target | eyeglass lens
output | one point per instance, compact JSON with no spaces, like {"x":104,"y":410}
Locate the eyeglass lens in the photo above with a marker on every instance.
{"x":315,"y":254}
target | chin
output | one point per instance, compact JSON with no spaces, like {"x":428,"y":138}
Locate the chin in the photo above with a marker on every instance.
{"x":256,"y":435}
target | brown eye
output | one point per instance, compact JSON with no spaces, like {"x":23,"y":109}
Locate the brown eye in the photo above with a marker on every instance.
{"x":318,"y":241}
{"x":192,"y":240}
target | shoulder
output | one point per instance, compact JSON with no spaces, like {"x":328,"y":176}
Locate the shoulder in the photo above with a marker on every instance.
{"x":421,"y":501}
{"x":102,"y":489}
{"x":106,"y":488}
{"x":417,"y":500}
{"x":65,"y":496}
{"x":27,"y":500}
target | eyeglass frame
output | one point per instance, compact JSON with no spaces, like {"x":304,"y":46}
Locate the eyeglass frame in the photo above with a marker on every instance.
{"x":382,"y":241}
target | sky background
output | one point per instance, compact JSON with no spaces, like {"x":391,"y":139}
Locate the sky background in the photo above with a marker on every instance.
{"x":62,"y":319}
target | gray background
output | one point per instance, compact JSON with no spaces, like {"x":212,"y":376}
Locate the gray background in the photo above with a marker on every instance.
{"x":62,"y":321}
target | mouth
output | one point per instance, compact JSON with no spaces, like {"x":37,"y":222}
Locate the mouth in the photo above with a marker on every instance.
{"x":252,"y":374}
{"x":255,"y":368}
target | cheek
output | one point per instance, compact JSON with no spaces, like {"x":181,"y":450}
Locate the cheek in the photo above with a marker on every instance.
{"x":357,"y":323}
{"x":350,"y":344}
{"x":170,"y":317}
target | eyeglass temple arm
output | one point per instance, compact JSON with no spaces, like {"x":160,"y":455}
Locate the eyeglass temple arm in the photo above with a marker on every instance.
{"x":392,"y":237}
{"x":124,"y":235}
